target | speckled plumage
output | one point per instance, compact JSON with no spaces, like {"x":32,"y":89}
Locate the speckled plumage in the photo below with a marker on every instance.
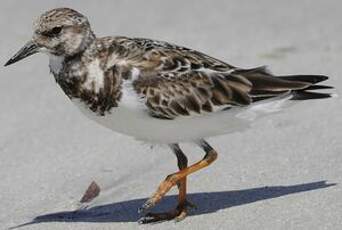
{"x":159,"y":92}
{"x":170,"y":80}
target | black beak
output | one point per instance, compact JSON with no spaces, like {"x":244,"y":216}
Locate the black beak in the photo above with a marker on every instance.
{"x":29,"y":49}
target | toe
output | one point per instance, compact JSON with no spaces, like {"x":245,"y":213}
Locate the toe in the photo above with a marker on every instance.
{"x":181,"y":216}
{"x":146,"y":219}
{"x":147,"y":205}
{"x":155,"y":217}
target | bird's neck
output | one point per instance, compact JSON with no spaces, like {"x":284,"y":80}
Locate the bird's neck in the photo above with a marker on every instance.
{"x":87,"y":83}
{"x":56,"y":64}
{"x":68,"y":73}
{"x":86,"y":43}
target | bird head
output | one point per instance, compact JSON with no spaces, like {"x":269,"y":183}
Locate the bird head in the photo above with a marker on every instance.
{"x":60,"y":32}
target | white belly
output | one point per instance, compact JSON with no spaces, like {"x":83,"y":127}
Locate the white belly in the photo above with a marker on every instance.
{"x":136,"y":122}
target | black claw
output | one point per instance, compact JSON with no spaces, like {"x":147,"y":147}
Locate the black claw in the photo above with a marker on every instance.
{"x":191,"y":205}
{"x":142,"y":220}
{"x":148,"y":218}
{"x":140,"y":210}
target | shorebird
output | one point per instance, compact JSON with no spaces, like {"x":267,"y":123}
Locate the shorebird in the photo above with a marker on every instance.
{"x":159,"y":92}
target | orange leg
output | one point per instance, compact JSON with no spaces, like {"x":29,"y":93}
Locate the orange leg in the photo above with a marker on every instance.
{"x":182,"y":162}
{"x":178,"y":178}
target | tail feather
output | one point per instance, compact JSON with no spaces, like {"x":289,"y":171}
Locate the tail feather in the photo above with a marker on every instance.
{"x":305,"y":95}
{"x":264,"y":81}
{"x":265,"y":85}
{"x":316,"y":87}
{"x":313,"y":79}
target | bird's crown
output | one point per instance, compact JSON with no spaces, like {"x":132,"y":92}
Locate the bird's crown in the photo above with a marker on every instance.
{"x":59,"y":17}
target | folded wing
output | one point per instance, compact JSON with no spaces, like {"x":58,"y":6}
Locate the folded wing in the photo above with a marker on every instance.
{"x":176,"y":81}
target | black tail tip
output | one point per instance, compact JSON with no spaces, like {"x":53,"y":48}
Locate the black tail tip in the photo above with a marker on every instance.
{"x":313,"y":79}
{"x":304,"y":95}
{"x":317,"y":87}
{"x":319,"y":78}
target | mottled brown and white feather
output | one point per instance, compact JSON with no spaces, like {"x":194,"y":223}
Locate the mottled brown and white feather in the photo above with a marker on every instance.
{"x":148,"y":88}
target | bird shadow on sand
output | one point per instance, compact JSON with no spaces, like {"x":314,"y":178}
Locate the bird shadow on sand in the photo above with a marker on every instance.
{"x":126,"y":211}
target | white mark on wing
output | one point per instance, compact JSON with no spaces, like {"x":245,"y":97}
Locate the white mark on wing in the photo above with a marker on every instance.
{"x":95,"y":76}
{"x":135,"y":74}
{"x":130,"y":98}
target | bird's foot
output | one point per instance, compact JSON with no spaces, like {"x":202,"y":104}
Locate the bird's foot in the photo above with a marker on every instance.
{"x":178,"y":214}
{"x":163,"y":188}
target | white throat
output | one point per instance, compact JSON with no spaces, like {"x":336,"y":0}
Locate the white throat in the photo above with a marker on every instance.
{"x":55,"y":63}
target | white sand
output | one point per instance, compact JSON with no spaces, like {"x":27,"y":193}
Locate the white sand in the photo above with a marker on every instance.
{"x":49,"y":152}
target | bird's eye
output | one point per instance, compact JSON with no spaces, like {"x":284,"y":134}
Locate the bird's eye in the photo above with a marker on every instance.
{"x":56,"y":30}
{"x":53,"y":32}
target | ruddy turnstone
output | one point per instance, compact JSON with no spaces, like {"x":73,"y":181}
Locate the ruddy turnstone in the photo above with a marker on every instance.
{"x":159,"y":92}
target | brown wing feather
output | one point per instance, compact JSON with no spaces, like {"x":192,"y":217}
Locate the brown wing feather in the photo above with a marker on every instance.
{"x":191,"y":92}
{"x":176,"y":81}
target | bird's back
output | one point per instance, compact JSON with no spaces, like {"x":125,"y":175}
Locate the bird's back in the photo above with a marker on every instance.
{"x":149,"y":89}
{"x":176,"y":81}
